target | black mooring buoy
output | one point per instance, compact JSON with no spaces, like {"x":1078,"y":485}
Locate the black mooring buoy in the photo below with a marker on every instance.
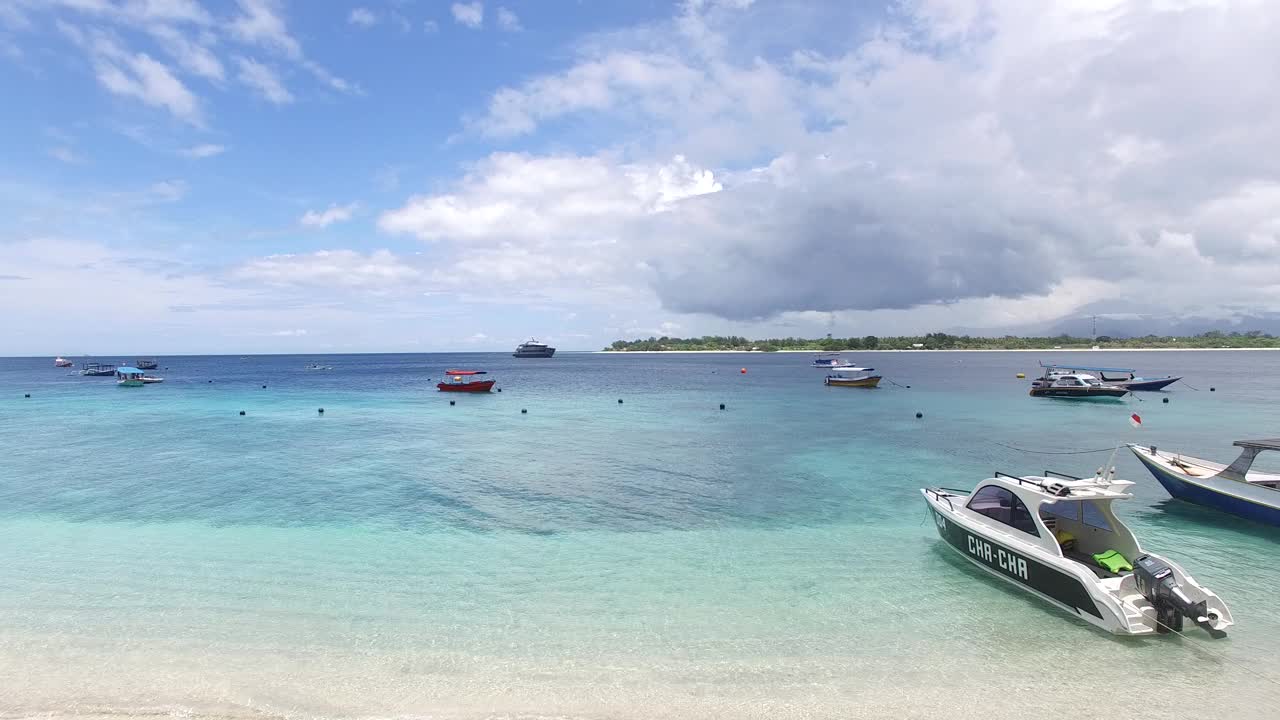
{"x":721,"y":406}
{"x":1165,"y":401}
{"x":451,"y":402}
{"x":321,"y":411}
{"x":524,"y":411}
{"x":29,"y":395}
{"x":919,"y":415}
{"x":499,"y":389}
{"x":1213,"y":389}
{"x":619,"y":401}
{"x":241,"y":412}
{"x":210,"y":381}
{"x":264,"y":387}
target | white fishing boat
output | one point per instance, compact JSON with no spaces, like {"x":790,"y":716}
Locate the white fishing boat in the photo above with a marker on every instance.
{"x":1236,"y":488}
{"x":150,"y":380}
{"x":1056,"y":537}
{"x":313,"y":367}
{"x":62,"y":362}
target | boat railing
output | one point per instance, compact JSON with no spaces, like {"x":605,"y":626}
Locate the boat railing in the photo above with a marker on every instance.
{"x":1021,"y":480}
{"x":944,"y":494}
{"x":1064,"y":476}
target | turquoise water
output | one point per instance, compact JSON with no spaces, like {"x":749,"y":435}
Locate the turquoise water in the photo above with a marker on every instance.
{"x":659,"y":558}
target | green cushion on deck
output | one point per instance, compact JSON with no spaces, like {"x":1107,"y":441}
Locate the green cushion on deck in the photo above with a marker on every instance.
{"x":1112,"y":561}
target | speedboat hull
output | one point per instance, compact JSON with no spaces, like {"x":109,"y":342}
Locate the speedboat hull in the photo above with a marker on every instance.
{"x":1064,"y":590}
{"x":860,"y":382}
{"x":129,"y":383}
{"x":1079,"y":393}
{"x":1204,"y":483}
{"x":1148,"y":384}
{"x":471,"y":387}
{"x":1114,"y":603}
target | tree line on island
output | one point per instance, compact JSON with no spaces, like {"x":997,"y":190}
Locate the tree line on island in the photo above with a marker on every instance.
{"x":943,"y":341}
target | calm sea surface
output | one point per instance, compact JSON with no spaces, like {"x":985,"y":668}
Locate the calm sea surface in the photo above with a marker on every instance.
{"x":659,"y":558}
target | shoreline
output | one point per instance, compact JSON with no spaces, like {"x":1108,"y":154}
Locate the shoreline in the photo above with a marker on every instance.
{"x":921,"y":350}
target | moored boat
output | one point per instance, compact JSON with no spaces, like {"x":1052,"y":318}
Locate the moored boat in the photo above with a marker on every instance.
{"x":533,"y":349}
{"x":1234,"y":488}
{"x":1131,"y":382}
{"x":463,"y":381}
{"x":1056,"y":537}
{"x":150,"y":380}
{"x":865,"y":380}
{"x":1074,"y":385}
{"x":313,"y":367}
{"x":831,"y":361}
{"x":146,"y":364}
{"x":98,"y":370}
{"x":129,"y":377}
{"x":62,"y":362}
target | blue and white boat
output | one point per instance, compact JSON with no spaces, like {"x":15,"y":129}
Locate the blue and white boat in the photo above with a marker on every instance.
{"x":1132,"y":382}
{"x":831,"y":361}
{"x":1233,"y":488}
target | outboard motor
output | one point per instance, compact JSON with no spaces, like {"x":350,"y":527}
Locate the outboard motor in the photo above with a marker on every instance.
{"x":1157,"y":584}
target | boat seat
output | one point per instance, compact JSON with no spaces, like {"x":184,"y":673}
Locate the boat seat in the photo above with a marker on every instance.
{"x":1113,"y":561}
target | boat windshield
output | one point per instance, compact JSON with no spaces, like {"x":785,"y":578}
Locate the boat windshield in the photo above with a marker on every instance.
{"x":1003,"y":506}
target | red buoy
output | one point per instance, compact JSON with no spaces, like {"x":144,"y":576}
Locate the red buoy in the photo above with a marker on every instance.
{"x":743,"y":371}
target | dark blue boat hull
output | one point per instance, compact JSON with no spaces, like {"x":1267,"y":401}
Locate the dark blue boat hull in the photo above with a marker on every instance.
{"x":1189,"y":492}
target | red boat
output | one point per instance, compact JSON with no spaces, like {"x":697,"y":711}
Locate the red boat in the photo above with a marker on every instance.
{"x":461,"y":381}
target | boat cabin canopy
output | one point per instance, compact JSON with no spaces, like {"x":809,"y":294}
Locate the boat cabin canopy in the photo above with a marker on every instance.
{"x":1062,"y":514}
{"x":1251,"y":450}
{"x":128,"y":371}
{"x":1086,"y":368}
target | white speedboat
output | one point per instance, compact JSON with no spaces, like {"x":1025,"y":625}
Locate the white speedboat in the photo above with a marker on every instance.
{"x":62,"y":362}
{"x":831,"y":361}
{"x":1074,"y":385}
{"x":317,"y":366}
{"x":1236,"y":488}
{"x":1056,"y":537}
{"x":150,"y":379}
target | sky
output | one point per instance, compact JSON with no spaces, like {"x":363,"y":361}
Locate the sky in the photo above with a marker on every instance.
{"x":239,"y":176}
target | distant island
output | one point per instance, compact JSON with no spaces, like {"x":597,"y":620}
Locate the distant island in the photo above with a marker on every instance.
{"x":943,"y":341}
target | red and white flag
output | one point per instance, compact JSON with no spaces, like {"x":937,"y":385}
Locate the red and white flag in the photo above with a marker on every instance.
{"x":1135,"y":420}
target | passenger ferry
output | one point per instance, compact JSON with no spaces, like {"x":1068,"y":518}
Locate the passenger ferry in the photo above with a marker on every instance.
{"x":533,"y":349}
{"x":1056,"y":537}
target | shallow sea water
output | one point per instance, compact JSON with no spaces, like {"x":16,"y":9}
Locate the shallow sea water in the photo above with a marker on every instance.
{"x":660,"y":558}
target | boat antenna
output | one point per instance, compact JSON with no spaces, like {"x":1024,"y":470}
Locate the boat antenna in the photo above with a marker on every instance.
{"x":1107,"y":473}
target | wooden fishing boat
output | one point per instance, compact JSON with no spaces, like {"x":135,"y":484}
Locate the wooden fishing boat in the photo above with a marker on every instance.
{"x":865,"y":380}
{"x":464,"y":381}
{"x":1236,"y":488}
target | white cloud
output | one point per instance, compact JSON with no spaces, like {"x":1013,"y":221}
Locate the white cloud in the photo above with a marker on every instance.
{"x":264,"y":80}
{"x":151,"y":11}
{"x":508,"y":21}
{"x":141,"y":77}
{"x":362,"y":17}
{"x":468,"y":14}
{"x":327,"y":217}
{"x":66,"y":155}
{"x":326,"y":268}
{"x":262,"y":23}
{"x":202,"y":151}
{"x":168,"y":191}
{"x":299,"y":332}
{"x":1047,"y":130}
{"x":193,"y":57}
{"x":430,"y":27}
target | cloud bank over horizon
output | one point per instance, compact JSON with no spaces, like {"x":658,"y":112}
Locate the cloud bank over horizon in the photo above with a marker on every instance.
{"x":755,"y":168}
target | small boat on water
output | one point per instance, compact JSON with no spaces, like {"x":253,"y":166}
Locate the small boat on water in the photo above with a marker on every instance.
{"x":1056,"y":537}
{"x":1234,"y":488}
{"x":317,"y":366}
{"x":533,"y":349}
{"x":1131,"y":382}
{"x":1074,"y":385}
{"x":831,"y":361}
{"x":146,"y":364}
{"x":150,"y":380}
{"x":464,"y":381}
{"x":62,"y":362}
{"x":865,"y":380}
{"x":98,"y":370}
{"x":129,"y":377}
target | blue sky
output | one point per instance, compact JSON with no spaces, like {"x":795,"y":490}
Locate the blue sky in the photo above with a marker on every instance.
{"x":403,"y":175}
